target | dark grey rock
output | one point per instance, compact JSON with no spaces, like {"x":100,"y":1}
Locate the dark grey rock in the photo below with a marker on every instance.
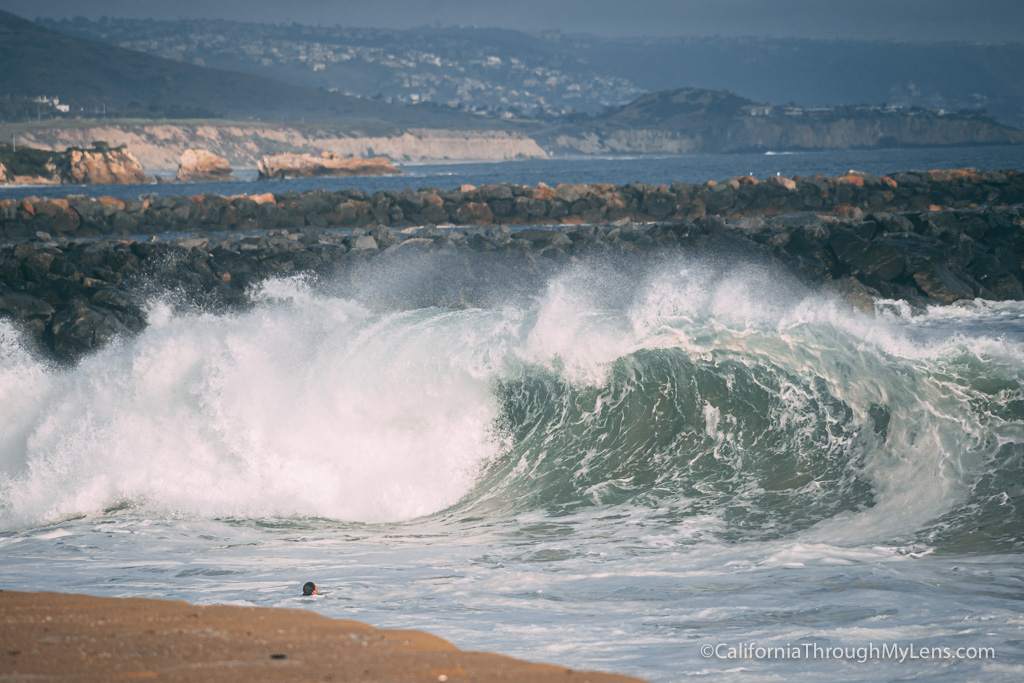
{"x":24,"y":306}
{"x":938,"y":282}
{"x":916,"y":250}
{"x":79,"y":329}
{"x":875,"y":259}
{"x":658,"y":204}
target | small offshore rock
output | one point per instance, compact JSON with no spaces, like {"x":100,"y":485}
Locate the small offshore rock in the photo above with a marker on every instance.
{"x":200,"y":165}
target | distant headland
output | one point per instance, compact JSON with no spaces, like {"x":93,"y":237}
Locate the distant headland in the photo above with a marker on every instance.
{"x":689,"y":121}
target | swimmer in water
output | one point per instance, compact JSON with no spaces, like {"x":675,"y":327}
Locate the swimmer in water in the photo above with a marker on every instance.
{"x":310,"y":589}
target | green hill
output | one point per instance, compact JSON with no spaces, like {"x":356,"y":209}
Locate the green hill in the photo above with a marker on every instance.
{"x":94,"y":77}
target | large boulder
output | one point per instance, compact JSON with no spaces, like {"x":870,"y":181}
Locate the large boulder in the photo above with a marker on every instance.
{"x":875,"y":259}
{"x":200,"y":165}
{"x":101,"y":165}
{"x":81,"y":328}
{"x":288,"y":165}
{"x":474,"y":213}
{"x":35,"y":313}
{"x":938,"y":282}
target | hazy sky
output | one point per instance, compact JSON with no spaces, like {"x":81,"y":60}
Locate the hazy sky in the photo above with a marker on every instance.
{"x":903,"y":20}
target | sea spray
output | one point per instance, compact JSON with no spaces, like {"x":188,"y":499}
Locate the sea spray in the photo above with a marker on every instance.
{"x":303,"y":406}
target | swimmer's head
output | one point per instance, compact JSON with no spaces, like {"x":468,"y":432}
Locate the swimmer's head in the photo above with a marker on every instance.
{"x":309,"y":588}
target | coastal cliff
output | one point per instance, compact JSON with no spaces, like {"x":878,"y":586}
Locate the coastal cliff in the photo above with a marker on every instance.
{"x":749,"y":134}
{"x":159,"y":147}
{"x":693,"y":121}
{"x":688,"y":121}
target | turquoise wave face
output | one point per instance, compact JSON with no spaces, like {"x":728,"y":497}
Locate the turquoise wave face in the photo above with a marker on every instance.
{"x":768,"y":451}
{"x":990,"y":513}
{"x":764,"y":419}
{"x":759,"y":448}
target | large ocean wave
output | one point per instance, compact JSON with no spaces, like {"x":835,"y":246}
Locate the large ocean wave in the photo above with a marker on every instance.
{"x":687,"y":391}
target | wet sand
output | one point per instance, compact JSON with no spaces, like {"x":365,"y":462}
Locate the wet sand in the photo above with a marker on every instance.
{"x":46,"y":636}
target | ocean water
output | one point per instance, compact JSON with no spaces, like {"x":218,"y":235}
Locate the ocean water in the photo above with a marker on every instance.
{"x":678,"y":470}
{"x":693,"y":168}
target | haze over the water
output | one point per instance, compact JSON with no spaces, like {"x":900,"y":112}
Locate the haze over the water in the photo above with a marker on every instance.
{"x":899,"y":20}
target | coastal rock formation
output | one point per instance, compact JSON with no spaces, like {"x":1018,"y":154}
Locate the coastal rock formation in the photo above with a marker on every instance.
{"x":47,"y":174}
{"x":101,"y":165}
{"x":200,"y":165}
{"x":327,"y":164}
{"x":932,"y":237}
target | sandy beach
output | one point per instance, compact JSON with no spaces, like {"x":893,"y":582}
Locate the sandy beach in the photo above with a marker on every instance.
{"x":50,"y":636}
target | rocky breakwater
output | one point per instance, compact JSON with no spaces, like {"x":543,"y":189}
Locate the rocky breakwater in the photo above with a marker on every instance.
{"x":853,"y":194}
{"x":72,"y":296}
{"x":289,"y":165}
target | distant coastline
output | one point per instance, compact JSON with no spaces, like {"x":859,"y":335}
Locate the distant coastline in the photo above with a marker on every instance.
{"x":159,"y":146}
{"x":688,"y":121}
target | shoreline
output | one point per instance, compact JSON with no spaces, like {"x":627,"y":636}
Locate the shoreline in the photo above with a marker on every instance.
{"x":56,"y":635}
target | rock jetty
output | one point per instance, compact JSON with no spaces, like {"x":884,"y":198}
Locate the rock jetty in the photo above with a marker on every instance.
{"x":289,"y":165}
{"x":852,"y":195}
{"x":74,"y":295}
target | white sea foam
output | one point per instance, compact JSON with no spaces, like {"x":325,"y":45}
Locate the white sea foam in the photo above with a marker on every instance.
{"x":304,"y":406}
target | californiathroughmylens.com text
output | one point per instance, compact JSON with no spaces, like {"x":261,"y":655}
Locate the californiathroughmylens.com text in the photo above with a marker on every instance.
{"x":861,"y":653}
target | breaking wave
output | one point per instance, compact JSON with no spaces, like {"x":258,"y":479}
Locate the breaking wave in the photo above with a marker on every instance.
{"x":688,"y":392}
